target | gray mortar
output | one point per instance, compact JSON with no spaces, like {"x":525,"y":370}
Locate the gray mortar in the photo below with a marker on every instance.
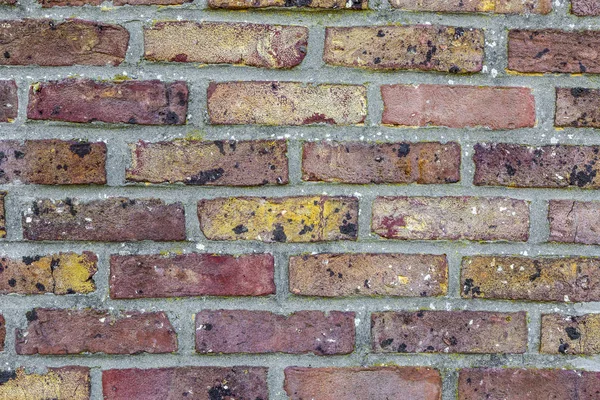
{"x":181,"y":311}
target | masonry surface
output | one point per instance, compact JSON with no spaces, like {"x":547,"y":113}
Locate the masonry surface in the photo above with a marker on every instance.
{"x":285,"y":199}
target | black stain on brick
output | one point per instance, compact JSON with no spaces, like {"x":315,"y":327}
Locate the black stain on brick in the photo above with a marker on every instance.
{"x":469,"y":286}
{"x":220,"y":145}
{"x":12,"y":282}
{"x":219,"y":393}
{"x":541,"y":53}
{"x":40,"y":287}
{"x":29,"y":260}
{"x":279,"y":234}
{"x":203,"y":177}
{"x":510,"y":169}
{"x":6,"y":376}
{"x":349,"y":229}
{"x":238,"y":230}
{"x":81,"y":149}
{"x":578,"y":92}
{"x":573,"y":333}
{"x":31,"y":315}
{"x":171,"y":118}
{"x":403,"y":150}
{"x":582,"y":177}
{"x":386,"y":342}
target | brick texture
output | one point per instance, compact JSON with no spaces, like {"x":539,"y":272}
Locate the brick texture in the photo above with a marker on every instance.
{"x":476,"y":6}
{"x":2,"y":332}
{"x":63,"y":383}
{"x":8,"y":101}
{"x":577,"y":107}
{"x":78,"y":3}
{"x":2,"y":214}
{"x":191,"y":275}
{"x":585,"y":7}
{"x":61,"y":331}
{"x":316,"y":4}
{"x":458,"y":106}
{"x":449,"y":332}
{"x":574,"y":221}
{"x":570,"y":334}
{"x":242,"y":331}
{"x":355,"y":162}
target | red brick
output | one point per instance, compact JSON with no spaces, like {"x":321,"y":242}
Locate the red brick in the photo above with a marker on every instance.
{"x":2,"y":334}
{"x":448,"y":332}
{"x":242,"y":331}
{"x":286,"y":103}
{"x":63,"y":383}
{"x":62,"y":273}
{"x":391,"y":383}
{"x":527,"y":278}
{"x":53,"y":162}
{"x":317,"y":4}
{"x":196,"y":382}
{"x":395,"y":47}
{"x":8,"y":101}
{"x":115,"y":219}
{"x":269,"y":46}
{"x":2,"y":215}
{"x":574,"y":221}
{"x":476,"y":6}
{"x":138,"y":276}
{"x":451,"y":218}
{"x":585,"y":7}
{"x":516,"y":384}
{"x":333,"y":275}
{"x":577,"y":107}
{"x":60,"y":331}
{"x":458,"y":106}
{"x":76,"y":3}
{"x":132,"y":102}
{"x":218,"y":163}
{"x":73,"y":42}
{"x":552,"y":50}
{"x":357,"y":162}
{"x":8,"y":2}
{"x":280,"y":219}
{"x":514,"y":165}
{"x":570,"y":334}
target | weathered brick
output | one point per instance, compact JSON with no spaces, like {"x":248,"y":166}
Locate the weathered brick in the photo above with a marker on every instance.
{"x":585,"y":7}
{"x":132,"y":102}
{"x":2,"y":215}
{"x":476,"y":6}
{"x":138,"y":276}
{"x":73,"y":42}
{"x":77,"y":3}
{"x":112,"y":220}
{"x":570,"y":334}
{"x":8,"y":2}
{"x":63,"y":331}
{"x":526,"y":278}
{"x":269,"y":46}
{"x":391,"y":383}
{"x":286,"y":103}
{"x":2,"y":335}
{"x":505,"y":383}
{"x":285,"y":219}
{"x":451,"y":218}
{"x":332,"y":275}
{"x":62,"y":273}
{"x":324,"y":4}
{"x":53,"y":162}
{"x":552,"y":50}
{"x":242,"y":331}
{"x":514,"y":165}
{"x":448,"y":332}
{"x":210,"y":383}
{"x":218,"y":163}
{"x":574,"y":221}
{"x":578,"y":107}
{"x":63,"y":383}
{"x":357,"y":162}
{"x":8,"y":101}
{"x":416,"y":47}
{"x":458,"y":106}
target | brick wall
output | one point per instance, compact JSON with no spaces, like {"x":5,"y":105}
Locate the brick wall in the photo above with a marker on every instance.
{"x":326,"y":199}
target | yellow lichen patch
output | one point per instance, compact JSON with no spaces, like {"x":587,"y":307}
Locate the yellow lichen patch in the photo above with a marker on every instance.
{"x":70,"y":383}
{"x":73,"y":273}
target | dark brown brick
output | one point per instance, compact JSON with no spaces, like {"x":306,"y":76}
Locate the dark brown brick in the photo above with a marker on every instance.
{"x":210,"y":383}
{"x":243,"y":331}
{"x":268,"y":46}
{"x":112,"y":220}
{"x":138,"y":276}
{"x":570,"y":334}
{"x":2,"y":215}
{"x":73,"y":42}
{"x":218,"y":163}
{"x":333,"y":275}
{"x":60,"y":331}
{"x":451,"y":218}
{"x":62,"y":273}
{"x":585,"y":7}
{"x":457,"y":106}
{"x":522,"y":7}
{"x":574,"y":221}
{"x":448,"y":332}
{"x":131,"y":102}
{"x":317,"y":4}
{"x":8,"y":101}
{"x":514,"y":165}
{"x":2,"y":336}
{"x":395,"y":47}
{"x":525,"y":278}
{"x":63,"y":383}
{"x":53,"y":162}
{"x":505,"y":383}
{"x":552,"y":50}
{"x":578,"y":107}
{"x":391,"y":383}
{"x":356,"y":162}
